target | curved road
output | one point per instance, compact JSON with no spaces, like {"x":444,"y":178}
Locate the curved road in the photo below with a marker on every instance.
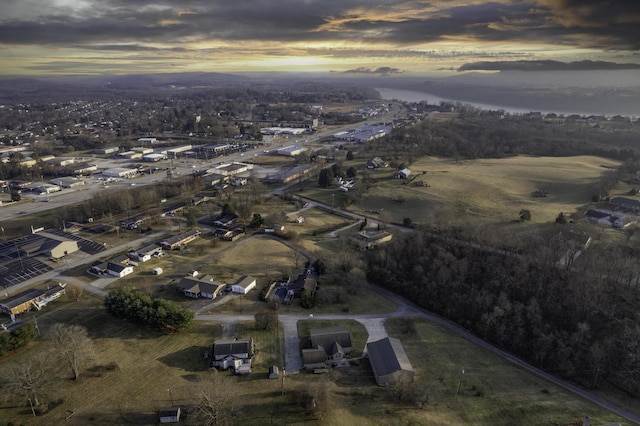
{"x":374,"y":323}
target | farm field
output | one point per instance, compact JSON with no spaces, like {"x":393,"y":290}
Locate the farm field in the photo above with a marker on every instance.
{"x":491,"y":190}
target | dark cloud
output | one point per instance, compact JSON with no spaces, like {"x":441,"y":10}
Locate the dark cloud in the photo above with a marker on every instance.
{"x":545,"y":66}
{"x":379,"y":70}
{"x":172,"y":25}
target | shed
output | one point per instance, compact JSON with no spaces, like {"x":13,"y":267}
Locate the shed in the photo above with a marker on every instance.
{"x":157,"y":271}
{"x":389,"y":362}
{"x":274,"y":372}
{"x":170,"y":415}
{"x":243,"y":285}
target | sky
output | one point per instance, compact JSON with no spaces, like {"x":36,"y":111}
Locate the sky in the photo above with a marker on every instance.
{"x":412,"y":37}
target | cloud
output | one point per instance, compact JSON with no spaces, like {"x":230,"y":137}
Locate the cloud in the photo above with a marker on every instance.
{"x":379,"y":70}
{"x":338,"y":29}
{"x":546,"y":65}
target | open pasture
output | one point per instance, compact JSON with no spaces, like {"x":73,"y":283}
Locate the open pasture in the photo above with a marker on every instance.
{"x":493,"y":190}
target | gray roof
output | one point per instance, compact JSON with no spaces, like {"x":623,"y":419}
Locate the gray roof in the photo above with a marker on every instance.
{"x":21,"y":298}
{"x":245,"y":281}
{"x":327,"y":336}
{"x":231,"y":346}
{"x":387,"y":356}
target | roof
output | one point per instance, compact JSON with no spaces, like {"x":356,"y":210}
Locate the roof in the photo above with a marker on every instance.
{"x":232,"y":346}
{"x":327,"y":336}
{"x":177,"y":238}
{"x":245,"y":281}
{"x":21,"y":298}
{"x":387,"y":356}
{"x":116,"y":267}
{"x":314,"y":355}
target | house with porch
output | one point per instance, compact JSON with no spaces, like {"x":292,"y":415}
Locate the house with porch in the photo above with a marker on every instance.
{"x":200,"y":287}
{"x":232,"y":353}
{"x":329,"y":348}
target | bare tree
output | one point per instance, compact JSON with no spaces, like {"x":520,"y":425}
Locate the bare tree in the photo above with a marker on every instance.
{"x":73,"y":345}
{"x":215,"y":400}
{"x":30,"y":380}
{"x":74,"y":291}
{"x":267,"y":319}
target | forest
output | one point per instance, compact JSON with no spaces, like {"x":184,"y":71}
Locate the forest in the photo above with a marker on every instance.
{"x":541,"y":295}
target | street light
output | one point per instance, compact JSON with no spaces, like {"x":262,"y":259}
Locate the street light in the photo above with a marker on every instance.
{"x":170,"y":396}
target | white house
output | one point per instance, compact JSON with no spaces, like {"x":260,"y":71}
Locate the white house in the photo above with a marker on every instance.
{"x":244,"y":285}
{"x":119,"y":270}
{"x":232,"y":353}
{"x":402,"y":174}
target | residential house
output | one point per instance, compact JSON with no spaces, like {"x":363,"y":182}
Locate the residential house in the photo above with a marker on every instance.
{"x":402,"y":174}
{"x":144,"y":254}
{"x":371,"y":239}
{"x":180,"y":240}
{"x":32,"y":298}
{"x":305,"y":281}
{"x":329,"y":348}
{"x":376,"y":162}
{"x":389,"y":362}
{"x":611,"y":219}
{"x":198,"y":287}
{"x":233,"y":235}
{"x":226,"y":221}
{"x":232,"y":353}
{"x":626,"y":203}
{"x":119,"y":270}
{"x":243,"y":285}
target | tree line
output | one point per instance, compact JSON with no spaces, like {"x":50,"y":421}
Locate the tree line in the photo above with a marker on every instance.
{"x":576,"y":319}
{"x":158,"y":313}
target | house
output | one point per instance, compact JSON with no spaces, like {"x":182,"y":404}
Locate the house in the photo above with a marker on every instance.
{"x":118,"y":269}
{"x":389,"y":362}
{"x":243,"y":285}
{"x":232,"y":353}
{"x":180,"y":240}
{"x":328,"y":336}
{"x":132,"y":222}
{"x":626,"y":203}
{"x":369,"y":240}
{"x":32,"y":298}
{"x":607,"y":218}
{"x":329,"y":348}
{"x":402,"y":174}
{"x":233,"y":235}
{"x":198,"y":287}
{"x":170,"y":415}
{"x":144,"y":254}
{"x":226,"y":221}
{"x":305,"y":281}
{"x":376,"y":162}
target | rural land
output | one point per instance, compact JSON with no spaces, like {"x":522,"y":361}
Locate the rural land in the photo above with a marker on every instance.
{"x":217,"y":250}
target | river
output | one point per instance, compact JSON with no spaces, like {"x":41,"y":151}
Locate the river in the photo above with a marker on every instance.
{"x":414,"y":96}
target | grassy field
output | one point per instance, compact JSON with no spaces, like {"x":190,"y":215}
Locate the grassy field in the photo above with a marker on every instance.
{"x":493,"y":190}
{"x":138,"y":371}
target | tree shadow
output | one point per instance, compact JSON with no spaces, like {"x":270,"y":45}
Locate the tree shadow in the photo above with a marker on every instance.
{"x":188,"y":359}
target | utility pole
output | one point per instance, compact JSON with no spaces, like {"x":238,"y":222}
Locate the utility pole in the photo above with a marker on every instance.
{"x":460,"y":381}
